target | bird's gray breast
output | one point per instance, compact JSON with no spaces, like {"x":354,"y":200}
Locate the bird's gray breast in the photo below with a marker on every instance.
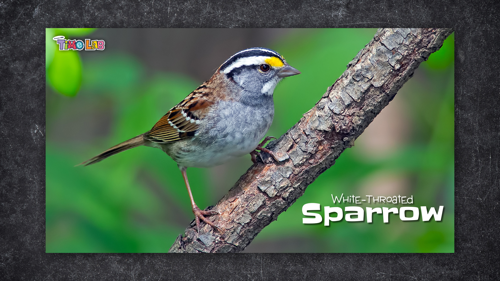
{"x":231,"y":129}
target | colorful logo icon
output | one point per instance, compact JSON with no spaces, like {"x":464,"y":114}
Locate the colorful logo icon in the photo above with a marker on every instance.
{"x":78,"y":45}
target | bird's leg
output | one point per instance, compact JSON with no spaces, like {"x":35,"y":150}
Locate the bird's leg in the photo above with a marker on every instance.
{"x":261,"y":147}
{"x":198,"y":214}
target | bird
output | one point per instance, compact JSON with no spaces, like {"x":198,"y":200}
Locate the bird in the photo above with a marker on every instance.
{"x":224,"y":118}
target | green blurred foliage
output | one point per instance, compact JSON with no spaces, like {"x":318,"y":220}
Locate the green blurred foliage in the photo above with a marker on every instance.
{"x":137,"y":202}
{"x":65,"y":73}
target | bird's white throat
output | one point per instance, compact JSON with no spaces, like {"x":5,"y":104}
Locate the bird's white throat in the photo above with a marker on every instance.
{"x":269,"y":86}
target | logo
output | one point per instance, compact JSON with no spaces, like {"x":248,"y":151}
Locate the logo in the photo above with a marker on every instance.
{"x":78,"y":45}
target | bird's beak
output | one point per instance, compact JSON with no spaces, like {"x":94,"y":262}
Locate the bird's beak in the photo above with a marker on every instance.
{"x":287,"y":71}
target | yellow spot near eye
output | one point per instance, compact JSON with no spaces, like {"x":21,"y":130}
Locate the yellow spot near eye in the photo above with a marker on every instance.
{"x":274,"y":62}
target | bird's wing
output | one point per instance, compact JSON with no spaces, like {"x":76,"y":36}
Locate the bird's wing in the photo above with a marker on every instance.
{"x":183,"y":120}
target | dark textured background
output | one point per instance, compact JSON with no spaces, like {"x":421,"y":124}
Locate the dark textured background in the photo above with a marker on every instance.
{"x":22,"y":140}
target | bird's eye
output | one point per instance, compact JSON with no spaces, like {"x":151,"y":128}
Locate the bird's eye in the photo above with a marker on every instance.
{"x":264,"y":67}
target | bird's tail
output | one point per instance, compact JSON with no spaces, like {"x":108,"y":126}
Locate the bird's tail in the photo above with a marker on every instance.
{"x":131,"y":143}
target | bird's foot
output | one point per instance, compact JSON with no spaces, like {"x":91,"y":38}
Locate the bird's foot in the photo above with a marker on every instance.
{"x":199,"y":214}
{"x":261,"y":147}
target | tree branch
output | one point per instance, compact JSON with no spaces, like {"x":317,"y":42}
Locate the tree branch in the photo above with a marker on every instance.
{"x":311,"y":146}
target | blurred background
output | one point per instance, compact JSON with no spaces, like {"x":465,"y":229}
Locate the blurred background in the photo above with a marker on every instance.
{"x":136,"y":201}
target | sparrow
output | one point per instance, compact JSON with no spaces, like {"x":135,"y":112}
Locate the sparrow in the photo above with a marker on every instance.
{"x":224,"y":118}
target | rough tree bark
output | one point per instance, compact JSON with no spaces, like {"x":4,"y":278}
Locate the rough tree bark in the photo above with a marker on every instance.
{"x":311,"y":146}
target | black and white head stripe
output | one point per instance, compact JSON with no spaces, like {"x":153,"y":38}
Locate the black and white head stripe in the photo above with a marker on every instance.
{"x":252,"y":56}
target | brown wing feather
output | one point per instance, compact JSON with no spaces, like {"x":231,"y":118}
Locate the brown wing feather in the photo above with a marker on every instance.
{"x":181,"y":121}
